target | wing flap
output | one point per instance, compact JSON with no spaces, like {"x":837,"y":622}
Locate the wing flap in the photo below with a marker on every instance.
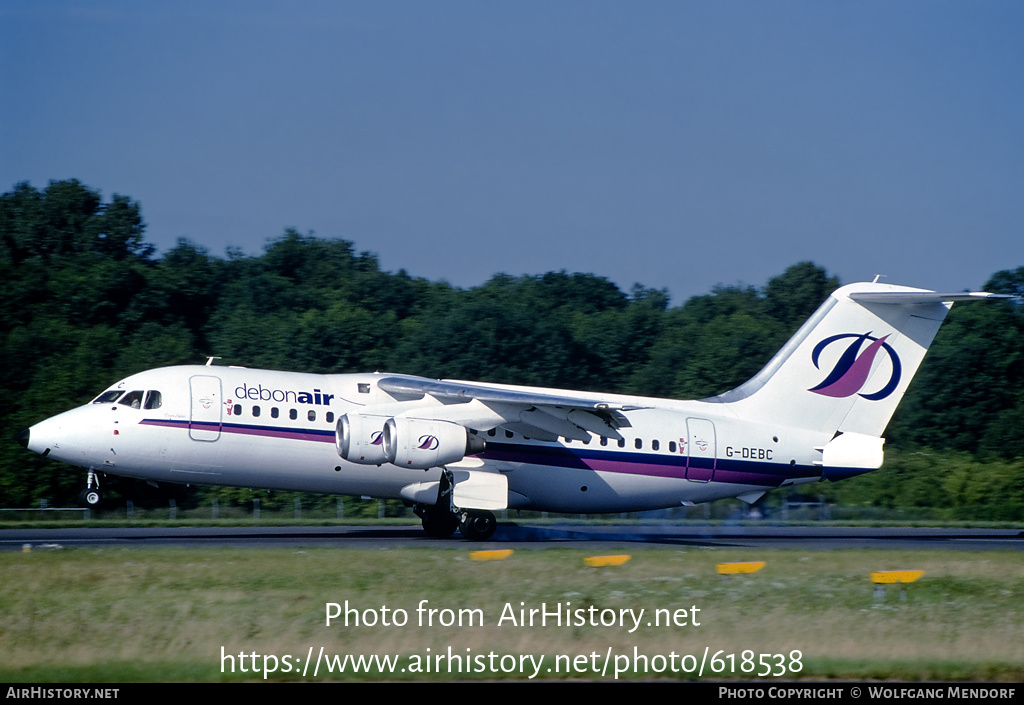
{"x":538,"y":414}
{"x":455,"y":391}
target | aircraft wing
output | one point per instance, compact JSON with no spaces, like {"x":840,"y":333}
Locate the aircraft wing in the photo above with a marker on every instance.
{"x":535,"y":413}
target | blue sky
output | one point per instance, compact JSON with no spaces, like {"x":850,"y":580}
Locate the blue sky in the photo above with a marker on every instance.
{"x":675,"y":144}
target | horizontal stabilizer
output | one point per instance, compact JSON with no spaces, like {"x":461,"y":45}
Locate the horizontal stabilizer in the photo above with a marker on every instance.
{"x":921,"y":297}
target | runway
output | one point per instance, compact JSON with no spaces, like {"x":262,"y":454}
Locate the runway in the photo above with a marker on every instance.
{"x":524,"y":536}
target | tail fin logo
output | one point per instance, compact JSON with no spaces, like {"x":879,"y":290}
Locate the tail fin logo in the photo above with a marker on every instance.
{"x":851,"y":371}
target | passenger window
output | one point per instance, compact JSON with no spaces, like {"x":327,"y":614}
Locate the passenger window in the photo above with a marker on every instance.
{"x":274,"y":413}
{"x":330,"y":417}
{"x":655,"y":445}
{"x":293,"y":414}
{"x":622,"y":443}
{"x":671,"y":446}
{"x":311,"y":415}
{"x":154,"y":400}
{"x":604,"y":441}
{"x":238,"y":409}
{"x":255,"y":411}
{"x":132,"y":399}
{"x":638,"y":443}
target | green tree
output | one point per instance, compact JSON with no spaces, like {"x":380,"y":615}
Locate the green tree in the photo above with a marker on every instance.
{"x":967,"y":392}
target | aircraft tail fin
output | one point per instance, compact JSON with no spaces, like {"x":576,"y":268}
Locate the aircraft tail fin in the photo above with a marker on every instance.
{"x":848,"y":366}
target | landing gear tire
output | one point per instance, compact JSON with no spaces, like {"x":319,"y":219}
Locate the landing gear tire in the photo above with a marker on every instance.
{"x":90,"y":498}
{"x":439,"y":525}
{"x":478,"y":526}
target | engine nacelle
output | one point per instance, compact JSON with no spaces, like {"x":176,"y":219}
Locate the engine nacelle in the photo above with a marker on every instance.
{"x":360,"y":438}
{"x":427,"y":443}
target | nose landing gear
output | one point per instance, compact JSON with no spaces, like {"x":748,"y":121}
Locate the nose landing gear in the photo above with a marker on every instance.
{"x":91,"y":496}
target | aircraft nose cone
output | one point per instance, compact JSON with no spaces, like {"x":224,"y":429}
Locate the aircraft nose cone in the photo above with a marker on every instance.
{"x":23,"y":438}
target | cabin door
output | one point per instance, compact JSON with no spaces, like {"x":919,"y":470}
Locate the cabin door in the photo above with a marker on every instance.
{"x":205,"y":422}
{"x":700,"y":461}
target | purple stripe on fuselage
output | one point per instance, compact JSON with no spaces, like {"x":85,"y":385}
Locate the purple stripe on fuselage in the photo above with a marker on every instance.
{"x":265,"y":431}
{"x":673,"y":466}
{"x":739,"y":472}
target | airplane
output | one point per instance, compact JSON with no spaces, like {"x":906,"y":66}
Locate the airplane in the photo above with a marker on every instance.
{"x":459,"y":451}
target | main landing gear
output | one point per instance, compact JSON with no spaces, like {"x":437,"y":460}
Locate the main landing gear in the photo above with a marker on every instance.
{"x":438,"y":523}
{"x":477,"y":526}
{"x":441,"y":520}
{"x":91,"y":496}
{"x":441,"y":524}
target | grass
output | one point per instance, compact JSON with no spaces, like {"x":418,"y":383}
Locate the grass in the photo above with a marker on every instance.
{"x":121,"y":615}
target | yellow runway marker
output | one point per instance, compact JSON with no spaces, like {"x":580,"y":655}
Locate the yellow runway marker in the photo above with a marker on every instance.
{"x":895,"y":576}
{"x":600,"y":561}
{"x":881,"y":578}
{"x":737,"y":568}
{"x":499,"y":555}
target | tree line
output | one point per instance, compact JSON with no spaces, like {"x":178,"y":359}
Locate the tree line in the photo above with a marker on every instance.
{"x":87,"y":301}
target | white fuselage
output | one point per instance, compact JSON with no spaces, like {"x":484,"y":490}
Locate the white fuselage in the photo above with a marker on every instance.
{"x":816,"y":411}
{"x":277,"y":430}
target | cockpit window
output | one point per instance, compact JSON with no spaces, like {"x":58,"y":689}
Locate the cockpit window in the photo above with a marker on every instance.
{"x":108,"y":397}
{"x":132,"y":399}
{"x":154,"y":400}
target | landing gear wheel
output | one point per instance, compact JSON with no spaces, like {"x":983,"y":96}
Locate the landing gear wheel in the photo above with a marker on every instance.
{"x":439,"y":524}
{"x":90,"y":498}
{"x":478,"y":526}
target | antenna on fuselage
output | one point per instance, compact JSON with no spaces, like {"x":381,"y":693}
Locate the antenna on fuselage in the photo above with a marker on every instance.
{"x":877,"y":277}
{"x":209,"y":361}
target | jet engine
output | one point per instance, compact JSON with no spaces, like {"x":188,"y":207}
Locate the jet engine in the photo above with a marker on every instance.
{"x":360,"y":438}
{"x":427,"y":443}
